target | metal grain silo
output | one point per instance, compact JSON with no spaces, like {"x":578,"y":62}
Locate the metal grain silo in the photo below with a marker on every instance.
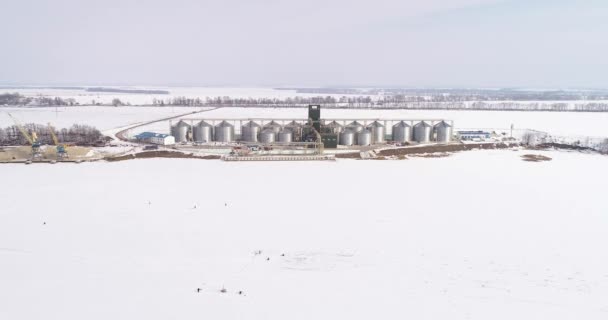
{"x":285,"y":136}
{"x":268,"y":136}
{"x":355,"y":126}
{"x":347,"y":137}
{"x":224,"y":132}
{"x":180,"y":131}
{"x":443,"y":132}
{"x":364,"y":138}
{"x":377,"y":130}
{"x":297,"y":130}
{"x":273,"y":126}
{"x":202,"y":132}
{"x":334,"y":127}
{"x":422,"y":132}
{"x":402,"y":132}
{"x":250,"y":131}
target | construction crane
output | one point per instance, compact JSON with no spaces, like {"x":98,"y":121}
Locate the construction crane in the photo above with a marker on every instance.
{"x":33,"y":139}
{"x":62,"y":151}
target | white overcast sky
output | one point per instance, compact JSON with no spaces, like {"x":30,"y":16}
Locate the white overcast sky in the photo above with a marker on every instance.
{"x":457,"y":43}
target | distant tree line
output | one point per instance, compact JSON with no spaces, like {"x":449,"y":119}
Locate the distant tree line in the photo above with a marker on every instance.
{"x":366,"y":102}
{"x":452,"y":95}
{"x":77,"y":134}
{"x":344,"y":102}
{"x":15,"y":99}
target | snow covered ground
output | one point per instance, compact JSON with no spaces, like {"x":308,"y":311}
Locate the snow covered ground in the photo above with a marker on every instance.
{"x":478,"y":235}
{"x":84,"y":97}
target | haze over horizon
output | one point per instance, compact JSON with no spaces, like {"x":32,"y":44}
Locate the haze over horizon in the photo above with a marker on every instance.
{"x":460,"y":43}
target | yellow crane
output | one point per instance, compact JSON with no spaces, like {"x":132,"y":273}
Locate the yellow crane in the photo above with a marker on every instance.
{"x":62,"y":151}
{"x":33,"y":139}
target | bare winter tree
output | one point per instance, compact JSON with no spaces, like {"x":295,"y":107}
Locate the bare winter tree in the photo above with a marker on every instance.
{"x":603,"y":147}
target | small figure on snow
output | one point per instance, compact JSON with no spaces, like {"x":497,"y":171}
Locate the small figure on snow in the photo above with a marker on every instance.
{"x":198,"y":290}
{"x":223,"y":290}
{"x":268,"y":259}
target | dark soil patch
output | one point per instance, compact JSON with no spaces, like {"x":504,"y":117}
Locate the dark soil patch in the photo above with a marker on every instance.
{"x":561,"y":146}
{"x":535,"y":158}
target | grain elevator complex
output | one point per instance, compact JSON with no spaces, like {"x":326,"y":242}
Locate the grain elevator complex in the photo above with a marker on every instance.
{"x":323,"y":133}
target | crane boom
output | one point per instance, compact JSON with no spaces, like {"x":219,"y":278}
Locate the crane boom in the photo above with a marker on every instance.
{"x":22,"y":130}
{"x":52,"y":130}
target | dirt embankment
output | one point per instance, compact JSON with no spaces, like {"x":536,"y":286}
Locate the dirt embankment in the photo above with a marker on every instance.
{"x":431,"y":149}
{"x":160,"y":154}
{"x":562,"y":146}
{"x":535,"y":158}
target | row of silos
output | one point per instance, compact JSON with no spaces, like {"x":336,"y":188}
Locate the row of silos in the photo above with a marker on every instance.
{"x":354,"y":133}
{"x":422,"y":132}
{"x":271,"y":132}
{"x":203,"y":132}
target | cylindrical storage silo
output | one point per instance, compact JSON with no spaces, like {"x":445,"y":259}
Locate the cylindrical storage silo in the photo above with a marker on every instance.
{"x":402,"y":132}
{"x":334,"y":127}
{"x":224,"y":132}
{"x":268,"y":136}
{"x":273,"y":126}
{"x":355,"y":126}
{"x":180,"y":131}
{"x":250,"y":131}
{"x":347,"y":138}
{"x":377,"y":130}
{"x":296,"y":129}
{"x":285,"y":136}
{"x":202,"y":132}
{"x":364,"y":138}
{"x":422,"y":132}
{"x":443,"y":132}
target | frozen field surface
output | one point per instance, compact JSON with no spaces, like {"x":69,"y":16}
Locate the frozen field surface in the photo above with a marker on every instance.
{"x":106,"y":118}
{"x":478,"y":235}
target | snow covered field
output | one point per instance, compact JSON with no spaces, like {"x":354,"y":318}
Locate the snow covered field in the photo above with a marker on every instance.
{"x":83,"y":97}
{"x":478,"y":235}
{"x":105,"y":118}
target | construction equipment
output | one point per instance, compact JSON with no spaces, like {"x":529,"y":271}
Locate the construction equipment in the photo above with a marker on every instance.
{"x":33,"y":139}
{"x":62,"y":152}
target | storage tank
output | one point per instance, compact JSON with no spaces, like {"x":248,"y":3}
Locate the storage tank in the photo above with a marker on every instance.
{"x":347,"y":137}
{"x":285,"y":136}
{"x":296,"y":129}
{"x":334,"y":127}
{"x":273,"y":126}
{"x":250,"y":131}
{"x":377,"y":130}
{"x":224,"y":132}
{"x":402,"y":132}
{"x":364,"y":138}
{"x":202,"y":132}
{"x":443,"y":132}
{"x":180,"y":131}
{"x":355,"y":126}
{"x":422,"y":132}
{"x":268,"y":136}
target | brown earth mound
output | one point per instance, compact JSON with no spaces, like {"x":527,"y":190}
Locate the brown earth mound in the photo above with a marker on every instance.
{"x":535,"y":158}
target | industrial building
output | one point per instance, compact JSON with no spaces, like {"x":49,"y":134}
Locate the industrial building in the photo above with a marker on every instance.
{"x":473,"y":135}
{"x":329,"y":133}
{"x":156,"y":138}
